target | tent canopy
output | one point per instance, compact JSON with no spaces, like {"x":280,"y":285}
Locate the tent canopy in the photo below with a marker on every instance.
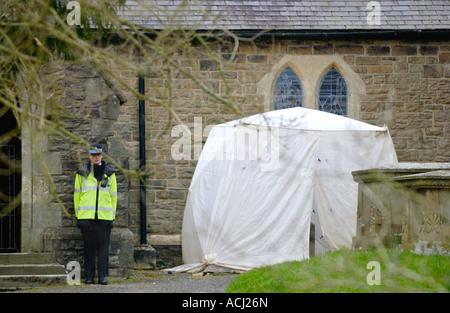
{"x":258,"y":178}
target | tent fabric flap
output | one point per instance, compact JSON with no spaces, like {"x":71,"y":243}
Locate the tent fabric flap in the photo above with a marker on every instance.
{"x":222,"y":223}
{"x":251,"y":196}
{"x":335,"y":191}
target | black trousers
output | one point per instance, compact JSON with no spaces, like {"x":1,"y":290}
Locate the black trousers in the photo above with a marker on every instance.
{"x":95,"y":235}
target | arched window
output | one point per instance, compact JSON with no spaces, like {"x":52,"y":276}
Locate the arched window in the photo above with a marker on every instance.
{"x":333,"y":93}
{"x":287,"y":92}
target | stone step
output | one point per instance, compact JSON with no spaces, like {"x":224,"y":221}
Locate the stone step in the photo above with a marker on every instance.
{"x":21,"y":270}
{"x":32,"y":269}
{"x":26,"y":258}
{"x":10,"y":282}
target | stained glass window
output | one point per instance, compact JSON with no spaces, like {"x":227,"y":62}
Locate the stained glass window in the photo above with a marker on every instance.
{"x":333,"y":93}
{"x":288,"y":90}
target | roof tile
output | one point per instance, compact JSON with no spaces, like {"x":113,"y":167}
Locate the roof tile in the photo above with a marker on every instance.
{"x":288,"y":14}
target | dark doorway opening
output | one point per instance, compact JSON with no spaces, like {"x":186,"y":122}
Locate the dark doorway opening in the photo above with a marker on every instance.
{"x":10,"y":182}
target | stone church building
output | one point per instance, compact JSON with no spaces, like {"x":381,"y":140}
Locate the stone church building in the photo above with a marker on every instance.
{"x":387,"y":63}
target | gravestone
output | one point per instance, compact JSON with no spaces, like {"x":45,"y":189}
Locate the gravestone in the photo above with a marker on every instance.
{"x":407,"y":204}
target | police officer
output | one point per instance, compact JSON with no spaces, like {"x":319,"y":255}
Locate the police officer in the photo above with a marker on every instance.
{"x":95,"y":202}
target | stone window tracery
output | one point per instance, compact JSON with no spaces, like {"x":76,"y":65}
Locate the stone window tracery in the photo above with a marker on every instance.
{"x":288,"y":90}
{"x":332,"y":95}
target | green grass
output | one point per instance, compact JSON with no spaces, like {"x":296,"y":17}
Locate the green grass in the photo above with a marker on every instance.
{"x":346,"y":271}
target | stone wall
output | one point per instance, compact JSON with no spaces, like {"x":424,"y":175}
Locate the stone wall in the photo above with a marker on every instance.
{"x":404,"y":85}
{"x":92,"y":112}
{"x":95,"y":118}
{"x":67,"y":244}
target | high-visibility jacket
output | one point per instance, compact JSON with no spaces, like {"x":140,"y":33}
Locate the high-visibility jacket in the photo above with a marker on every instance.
{"x":95,"y":199}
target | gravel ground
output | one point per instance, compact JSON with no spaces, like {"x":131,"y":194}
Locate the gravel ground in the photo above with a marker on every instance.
{"x":149,"y":282}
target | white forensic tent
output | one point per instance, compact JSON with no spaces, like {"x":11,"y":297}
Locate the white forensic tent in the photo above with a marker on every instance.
{"x":258,"y":178}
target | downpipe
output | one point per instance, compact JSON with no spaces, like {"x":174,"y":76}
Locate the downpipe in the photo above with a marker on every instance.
{"x":142,"y":184}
